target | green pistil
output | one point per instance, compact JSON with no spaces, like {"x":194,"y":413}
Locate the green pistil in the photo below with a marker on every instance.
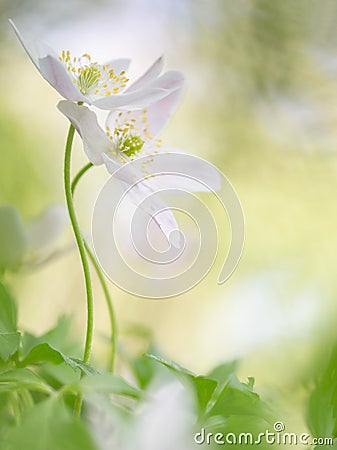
{"x":88,"y":78}
{"x":132,"y":145}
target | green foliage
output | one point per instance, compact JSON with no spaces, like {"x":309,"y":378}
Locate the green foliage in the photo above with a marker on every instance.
{"x":322,"y":408}
{"x":58,"y":336}
{"x":107,"y":383}
{"x":38,"y":382}
{"x":237,"y":398}
{"x":22,"y":378}
{"x":44,"y":352}
{"x":146,"y":370}
{"x":37,"y":350}
{"x":221,"y":399}
{"x":201,"y":387}
{"x":8,"y":312}
{"x":222,"y":372}
{"x":9,"y":344}
{"x":9,"y":337}
{"x":49,"y":426}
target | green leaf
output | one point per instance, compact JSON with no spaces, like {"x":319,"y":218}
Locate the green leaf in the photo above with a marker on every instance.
{"x":147,"y":370}
{"x":51,"y":349}
{"x":22,"y":378}
{"x":58,"y":376}
{"x":13,"y":238}
{"x":87,"y":369}
{"x":57,"y":337}
{"x":322,"y":408}
{"x":44,"y":352}
{"x":19,"y":375}
{"x":205,"y":388}
{"x":202,"y":387}
{"x":238,"y":399}
{"x":49,"y":426}
{"x":109,"y":384}
{"x":8,"y":311}
{"x":236,"y":409}
{"x":222,"y":373}
{"x":171,"y":365}
{"x":144,"y":371}
{"x":220,"y":395}
{"x":251,"y":382}
{"x":9,"y":344}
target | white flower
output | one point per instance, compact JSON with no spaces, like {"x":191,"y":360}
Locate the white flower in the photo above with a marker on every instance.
{"x":44,"y":231}
{"x":28,"y":245}
{"x":128,"y":136}
{"x":106,"y":86}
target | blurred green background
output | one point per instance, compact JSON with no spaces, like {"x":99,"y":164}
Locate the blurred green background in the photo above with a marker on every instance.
{"x":261,"y":105}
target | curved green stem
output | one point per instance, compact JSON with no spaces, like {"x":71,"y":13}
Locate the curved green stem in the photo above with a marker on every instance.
{"x":79,"y":175}
{"x":84,"y":260}
{"x":80,"y":244}
{"x":111,"y":311}
{"x":101,"y":278}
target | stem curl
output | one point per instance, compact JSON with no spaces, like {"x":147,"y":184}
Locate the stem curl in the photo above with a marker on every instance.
{"x":83,"y":255}
{"x":79,"y":175}
{"x":101,"y":278}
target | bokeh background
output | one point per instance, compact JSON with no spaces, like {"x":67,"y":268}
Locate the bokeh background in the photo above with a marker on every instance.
{"x":261,"y":105}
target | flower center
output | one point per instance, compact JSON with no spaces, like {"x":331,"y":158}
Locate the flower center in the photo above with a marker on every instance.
{"x":129,"y":135}
{"x":131,"y":145}
{"x":88,"y":78}
{"x":92,"y":78}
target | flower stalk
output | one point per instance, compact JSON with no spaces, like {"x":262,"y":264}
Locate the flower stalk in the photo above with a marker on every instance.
{"x":83,"y":256}
{"x":112,"y":317}
{"x":101,"y":279}
{"x":80,"y":244}
{"x":79,"y":175}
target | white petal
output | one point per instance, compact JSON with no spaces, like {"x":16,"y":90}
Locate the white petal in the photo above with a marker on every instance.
{"x":126,"y":116}
{"x":151,"y":74}
{"x":30,"y":53}
{"x":95,"y":141}
{"x":119,"y":65}
{"x":140,"y":190}
{"x":157,"y":115}
{"x":181,"y":171}
{"x":157,"y":210}
{"x":43,"y":49}
{"x":112,"y":165}
{"x":46,"y":229}
{"x":171,"y":80}
{"x":56,"y":74}
{"x":160,"y":112}
{"x":153,"y":91}
{"x":51,"y":68}
{"x":133,"y":100}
